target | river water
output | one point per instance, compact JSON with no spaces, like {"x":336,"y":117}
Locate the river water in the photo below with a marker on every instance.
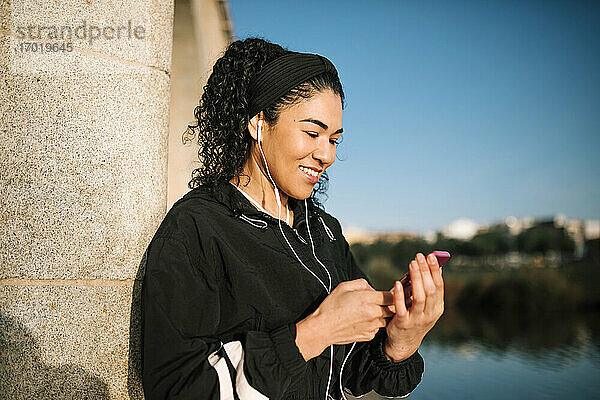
{"x":474,"y":370}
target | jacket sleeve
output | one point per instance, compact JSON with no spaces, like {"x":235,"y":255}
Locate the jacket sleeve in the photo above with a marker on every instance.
{"x":367,"y":366}
{"x":182,"y":357}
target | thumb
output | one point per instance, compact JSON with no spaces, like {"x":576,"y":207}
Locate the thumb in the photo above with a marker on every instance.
{"x":399,"y":302}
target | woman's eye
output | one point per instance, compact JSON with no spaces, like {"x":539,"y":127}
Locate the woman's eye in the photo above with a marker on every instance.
{"x":336,"y":141}
{"x":332,"y":141}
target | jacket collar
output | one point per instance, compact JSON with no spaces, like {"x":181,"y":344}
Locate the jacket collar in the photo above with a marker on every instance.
{"x":238,"y":204}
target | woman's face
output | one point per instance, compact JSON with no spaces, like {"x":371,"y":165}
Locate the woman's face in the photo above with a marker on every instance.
{"x":302,"y":144}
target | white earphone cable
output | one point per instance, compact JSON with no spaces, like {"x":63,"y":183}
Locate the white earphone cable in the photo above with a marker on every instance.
{"x":354,"y":344}
{"x":279,"y":212}
{"x":312,"y":246}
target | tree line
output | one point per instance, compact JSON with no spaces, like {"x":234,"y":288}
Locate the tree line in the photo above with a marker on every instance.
{"x":540,"y":239}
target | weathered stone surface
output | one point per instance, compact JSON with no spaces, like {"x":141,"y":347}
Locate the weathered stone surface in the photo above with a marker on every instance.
{"x":66,"y":343}
{"x":84,"y":176}
{"x":83,"y":142}
{"x":105,"y":37}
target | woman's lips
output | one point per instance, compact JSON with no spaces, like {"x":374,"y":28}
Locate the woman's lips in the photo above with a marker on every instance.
{"x":312,"y":179}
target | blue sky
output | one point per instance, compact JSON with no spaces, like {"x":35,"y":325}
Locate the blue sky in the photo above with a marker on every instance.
{"x":455,"y":109}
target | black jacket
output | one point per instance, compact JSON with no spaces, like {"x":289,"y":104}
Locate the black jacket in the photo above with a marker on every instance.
{"x":221,"y":296}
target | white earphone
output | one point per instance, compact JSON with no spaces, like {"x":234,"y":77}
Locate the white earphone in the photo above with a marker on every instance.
{"x":260,"y":122}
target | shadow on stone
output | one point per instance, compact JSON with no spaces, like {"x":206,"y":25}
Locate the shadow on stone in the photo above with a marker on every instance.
{"x":136,"y":323}
{"x":24,"y":376}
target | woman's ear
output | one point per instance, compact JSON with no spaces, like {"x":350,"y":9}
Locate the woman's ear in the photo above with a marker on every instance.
{"x":253,"y":126}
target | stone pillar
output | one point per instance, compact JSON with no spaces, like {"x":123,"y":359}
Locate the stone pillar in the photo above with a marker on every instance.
{"x":83,"y":187}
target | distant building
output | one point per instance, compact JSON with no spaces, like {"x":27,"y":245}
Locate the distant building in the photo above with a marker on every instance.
{"x":357,"y":235}
{"x":591,"y":229}
{"x":463,"y":229}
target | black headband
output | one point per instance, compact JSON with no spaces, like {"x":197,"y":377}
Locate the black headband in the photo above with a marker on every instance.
{"x":281,"y":75}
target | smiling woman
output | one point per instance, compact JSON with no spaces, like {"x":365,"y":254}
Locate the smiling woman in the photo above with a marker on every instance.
{"x":240,"y":303}
{"x":233,"y":95}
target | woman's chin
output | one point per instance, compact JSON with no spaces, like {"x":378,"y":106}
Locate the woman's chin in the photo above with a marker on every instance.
{"x":301,"y":193}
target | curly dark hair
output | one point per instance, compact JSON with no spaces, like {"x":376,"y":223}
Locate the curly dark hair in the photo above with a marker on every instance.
{"x":222,"y":115}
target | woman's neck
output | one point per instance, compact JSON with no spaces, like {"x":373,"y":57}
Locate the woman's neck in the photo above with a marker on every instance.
{"x":261,"y":189}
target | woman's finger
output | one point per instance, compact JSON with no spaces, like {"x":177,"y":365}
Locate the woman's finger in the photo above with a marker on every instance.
{"x":436,"y":272}
{"x":418,"y":292}
{"x":433,"y":293}
{"x":381,"y":298}
{"x":428,"y":285}
{"x":399,"y":304}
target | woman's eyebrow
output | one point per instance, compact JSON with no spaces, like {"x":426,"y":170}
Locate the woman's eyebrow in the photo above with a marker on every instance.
{"x":321,"y":124}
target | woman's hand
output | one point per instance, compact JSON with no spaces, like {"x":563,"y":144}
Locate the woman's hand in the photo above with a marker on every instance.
{"x":352,"y":312}
{"x":409,"y":326}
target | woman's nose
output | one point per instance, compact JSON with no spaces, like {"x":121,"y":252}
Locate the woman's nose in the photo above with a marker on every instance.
{"x":325,"y":151}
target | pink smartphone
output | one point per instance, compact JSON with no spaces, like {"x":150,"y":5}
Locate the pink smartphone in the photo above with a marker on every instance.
{"x":442,"y":257}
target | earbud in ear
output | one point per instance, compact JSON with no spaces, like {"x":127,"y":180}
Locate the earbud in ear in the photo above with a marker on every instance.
{"x":259,"y":130}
